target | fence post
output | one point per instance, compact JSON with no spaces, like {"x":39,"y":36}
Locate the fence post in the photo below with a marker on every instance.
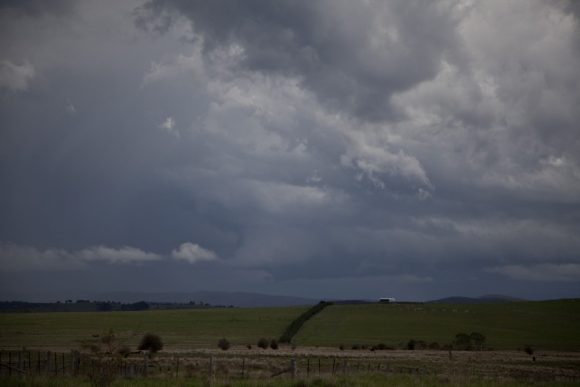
{"x":47,"y":364}
{"x":145,"y":364}
{"x":293,"y":367}
{"x":73,"y":363}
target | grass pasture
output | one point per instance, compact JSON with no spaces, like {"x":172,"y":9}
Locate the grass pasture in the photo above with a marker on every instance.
{"x":191,"y":358}
{"x":547,"y":325}
{"x":179,"y":329}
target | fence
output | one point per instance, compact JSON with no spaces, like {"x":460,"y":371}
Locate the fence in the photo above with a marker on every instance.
{"x":14,"y":363}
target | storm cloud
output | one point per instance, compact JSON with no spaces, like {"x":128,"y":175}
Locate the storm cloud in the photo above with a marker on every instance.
{"x":321,"y":148}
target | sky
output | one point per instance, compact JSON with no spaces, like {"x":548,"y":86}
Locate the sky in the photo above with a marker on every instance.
{"x":324,"y":149}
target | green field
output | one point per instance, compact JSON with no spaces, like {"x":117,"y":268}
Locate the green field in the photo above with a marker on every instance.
{"x":179,"y":329}
{"x":550,"y":325}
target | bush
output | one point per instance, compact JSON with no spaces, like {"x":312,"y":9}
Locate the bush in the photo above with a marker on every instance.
{"x":341,"y":347}
{"x":478,"y":340}
{"x":249,"y":346}
{"x":151,"y":342}
{"x":434,"y":345}
{"x":273,"y":344}
{"x":263,"y":343}
{"x":529,"y":350}
{"x":382,"y":347}
{"x":411,"y":344}
{"x":355,"y":347}
{"x":224,"y":344}
{"x":462,"y":342}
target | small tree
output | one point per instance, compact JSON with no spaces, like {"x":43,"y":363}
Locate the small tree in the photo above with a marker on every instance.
{"x":274,"y":344}
{"x":478,"y":340}
{"x":224,"y":344}
{"x":263,"y":343}
{"x":462,"y":342}
{"x":107,"y":350}
{"x":152,"y":343}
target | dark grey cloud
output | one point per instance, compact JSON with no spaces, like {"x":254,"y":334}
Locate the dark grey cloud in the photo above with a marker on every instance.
{"x":309,"y":148}
{"x":36,"y":8}
{"x":387,"y":53}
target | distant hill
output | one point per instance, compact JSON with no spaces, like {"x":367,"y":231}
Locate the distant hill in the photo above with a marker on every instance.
{"x":238,"y":299}
{"x":487,"y":299}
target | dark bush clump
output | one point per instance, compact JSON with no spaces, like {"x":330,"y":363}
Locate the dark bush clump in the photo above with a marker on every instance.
{"x":477,"y":340}
{"x":434,"y":345}
{"x":273,"y":344}
{"x":263,"y":343}
{"x":462,"y":342}
{"x":341,"y":347}
{"x":355,"y":347}
{"x":382,"y":347}
{"x":249,"y":346}
{"x":529,"y":350}
{"x":224,"y":344}
{"x":411,"y":344}
{"x":151,"y":342}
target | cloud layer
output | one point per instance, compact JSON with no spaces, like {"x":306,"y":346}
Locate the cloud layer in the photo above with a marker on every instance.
{"x":302,"y":143}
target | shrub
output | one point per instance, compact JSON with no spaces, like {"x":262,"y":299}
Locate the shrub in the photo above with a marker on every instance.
{"x":151,"y":342}
{"x":462,"y":342}
{"x":529,"y":350}
{"x":341,"y":347}
{"x":411,"y":344}
{"x":478,"y":340}
{"x":355,"y":347}
{"x":263,"y":343}
{"x":224,"y":344}
{"x":273,"y":344}
{"x":249,"y":346}
{"x":434,"y":345}
{"x":381,"y":346}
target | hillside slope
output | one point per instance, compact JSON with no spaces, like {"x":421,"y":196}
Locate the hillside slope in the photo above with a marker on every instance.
{"x":544,"y":325}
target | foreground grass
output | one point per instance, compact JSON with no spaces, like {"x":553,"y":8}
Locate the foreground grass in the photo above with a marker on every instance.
{"x":548,"y":325}
{"x":180,"y":329}
{"x":354,"y":381}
